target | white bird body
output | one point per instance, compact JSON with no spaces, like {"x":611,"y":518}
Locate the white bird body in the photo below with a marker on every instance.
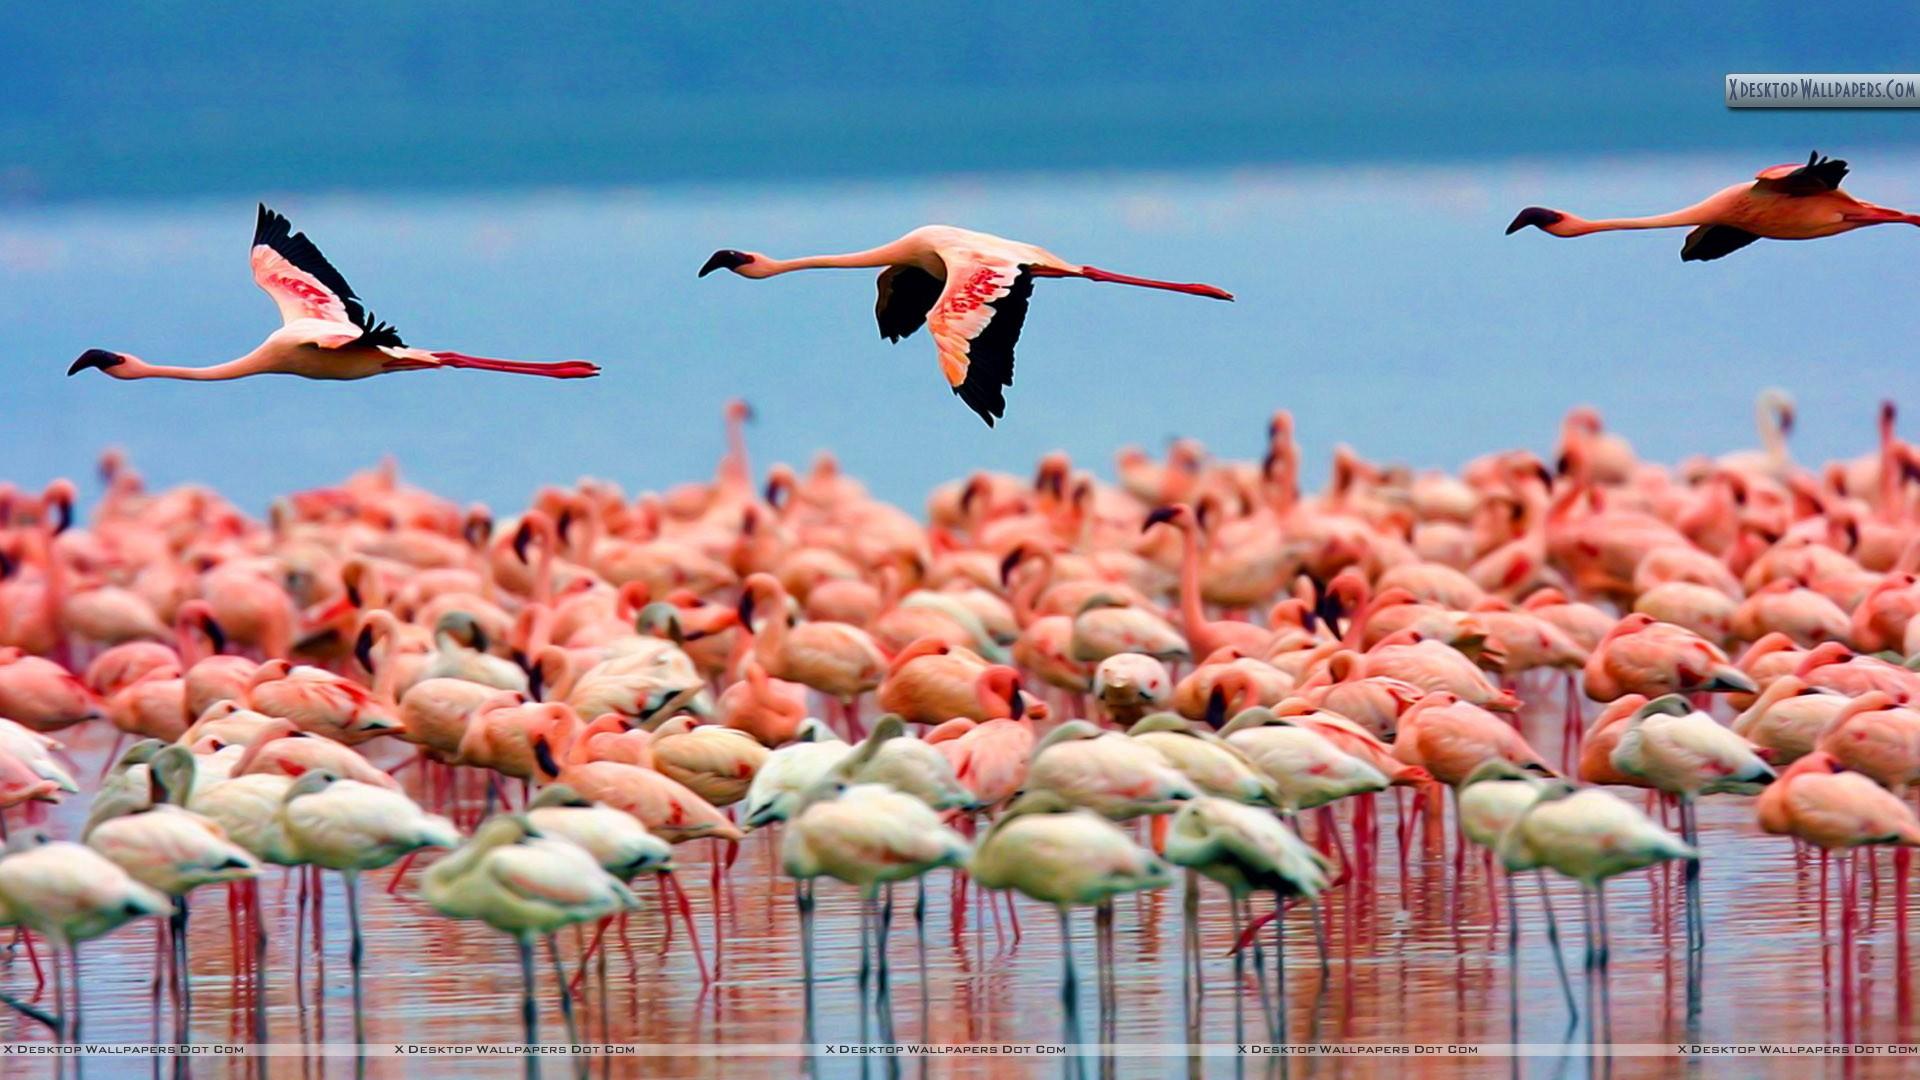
{"x":912,"y":766}
{"x":35,"y":751}
{"x":69,"y":892}
{"x":522,"y":884}
{"x":1489,"y":808}
{"x":781,"y":784}
{"x":1688,"y":753}
{"x":1589,"y":835}
{"x":1075,"y":857}
{"x":170,"y":849}
{"x":247,"y":809}
{"x":1215,"y":766}
{"x":617,"y":840}
{"x":1106,"y":772}
{"x":1244,"y":848}
{"x":1307,"y":767}
{"x":869,"y":835}
{"x":350,"y":826}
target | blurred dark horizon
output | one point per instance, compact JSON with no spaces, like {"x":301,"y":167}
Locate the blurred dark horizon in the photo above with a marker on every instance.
{"x":138,"y":100}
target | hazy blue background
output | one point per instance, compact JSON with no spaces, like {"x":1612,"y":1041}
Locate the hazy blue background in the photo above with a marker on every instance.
{"x":529,"y":180}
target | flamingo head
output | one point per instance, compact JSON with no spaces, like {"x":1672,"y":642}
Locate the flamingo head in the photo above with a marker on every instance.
{"x":998,"y":689}
{"x":740,"y":262}
{"x":1179,"y":515}
{"x":113,"y":363}
{"x":1537,"y":216}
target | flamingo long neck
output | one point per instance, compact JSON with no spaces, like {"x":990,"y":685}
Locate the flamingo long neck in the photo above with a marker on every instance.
{"x":232,"y":369}
{"x":1889,"y":466}
{"x":1570,"y":225}
{"x":884,"y":255}
{"x":1191,"y":612}
{"x":386,"y":672}
{"x":770,"y":641}
{"x":1772,"y":439}
{"x":549,"y":537}
{"x":1026,"y":595}
{"x":736,"y":469}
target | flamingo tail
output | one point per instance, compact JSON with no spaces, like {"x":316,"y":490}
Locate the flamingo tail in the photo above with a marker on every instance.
{"x":1094,"y":273}
{"x":563,"y":369}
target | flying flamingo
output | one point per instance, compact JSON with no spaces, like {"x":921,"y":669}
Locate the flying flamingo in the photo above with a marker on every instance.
{"x":1784,"y":202}
{"x":327,"y":331}
{"x":969,"y":288}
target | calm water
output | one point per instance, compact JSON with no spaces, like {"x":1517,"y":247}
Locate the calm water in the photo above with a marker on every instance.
{"x":1383,"y":305}
{"x":1406,"y":966}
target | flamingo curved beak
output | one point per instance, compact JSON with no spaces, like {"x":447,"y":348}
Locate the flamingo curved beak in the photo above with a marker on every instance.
{"x":95,"y":358}
{"x":1537,"y":216}
{"x":725,"y":259}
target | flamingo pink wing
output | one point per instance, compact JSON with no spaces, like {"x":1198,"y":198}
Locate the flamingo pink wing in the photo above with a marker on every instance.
{"x":975,"y":325}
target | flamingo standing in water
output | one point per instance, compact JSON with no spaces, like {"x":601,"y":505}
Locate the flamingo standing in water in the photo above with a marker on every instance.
{"x":69,"y":893}
{"x":1784,"y":202}
{"x":1060,"y":854}
{"x":969,"y":288}
{"x":521,"y":882}
{"x":326,"y":332}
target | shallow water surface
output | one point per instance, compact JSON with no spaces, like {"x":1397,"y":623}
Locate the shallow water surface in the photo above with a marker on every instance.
{"x":1413,"y":959}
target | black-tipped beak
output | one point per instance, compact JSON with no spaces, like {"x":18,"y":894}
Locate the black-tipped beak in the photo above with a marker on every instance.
{"x":543,"y":754}
{"x":1537,"y":216}
{"x":1019,"y":703}
{"x":1216,"y":714}
{"x":363,"y":648}
{"x":520,"y":538}
{"x":1160,"y":515}
{"x":1786,"y":421}
{"x":95,"y":358}
{"x":725,"y":259}
{"x":745,"y":611}
{"x":1012,"y":560}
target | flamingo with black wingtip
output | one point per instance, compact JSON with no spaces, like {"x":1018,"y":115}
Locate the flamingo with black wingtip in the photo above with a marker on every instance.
{"x":327,"y":332}
{"x":969,"y":288}
{"x":1785,"y":202}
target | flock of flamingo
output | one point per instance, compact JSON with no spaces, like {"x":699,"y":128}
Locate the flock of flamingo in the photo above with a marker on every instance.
{"x":1052,"y":686}
{"x":600,"y":679}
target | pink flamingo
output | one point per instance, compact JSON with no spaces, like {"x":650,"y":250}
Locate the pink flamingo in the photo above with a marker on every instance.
{"x":1784,"y":202}
{"x":969,"y":288}
{"x":327,"y":331}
